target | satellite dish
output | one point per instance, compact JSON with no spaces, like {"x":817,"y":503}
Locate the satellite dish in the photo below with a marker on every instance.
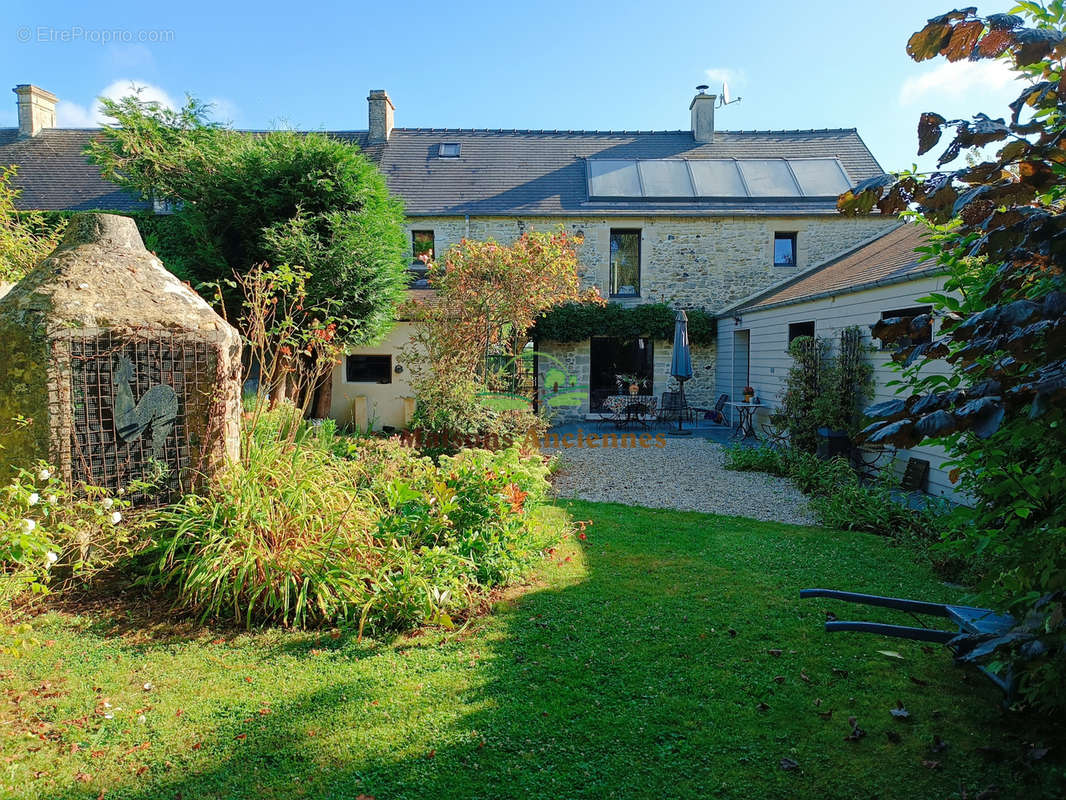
{"x":727,"y":98}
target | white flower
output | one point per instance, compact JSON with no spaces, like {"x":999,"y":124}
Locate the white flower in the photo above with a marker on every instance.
{"x":44,"y":475}
{"x":52,"y":499}
{"x":33,"y":499}
{"x":108,"y":502}
{"x":28,"y":525}
{"x":51,"y":557}
{"x":116,"y":518}
{"x":141,"y":719}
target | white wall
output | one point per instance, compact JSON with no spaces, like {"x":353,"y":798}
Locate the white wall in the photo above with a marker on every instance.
{"x":384,"y":401}
{"x":770,"y":361}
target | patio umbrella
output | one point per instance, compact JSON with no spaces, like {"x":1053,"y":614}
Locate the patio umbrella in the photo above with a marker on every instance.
{"x":681,"y":364}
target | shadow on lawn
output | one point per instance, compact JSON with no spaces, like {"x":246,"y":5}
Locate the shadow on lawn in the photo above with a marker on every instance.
{"x":679,"y":665}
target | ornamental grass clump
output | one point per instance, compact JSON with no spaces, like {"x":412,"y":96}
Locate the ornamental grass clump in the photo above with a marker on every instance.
{"x":307,"y":532}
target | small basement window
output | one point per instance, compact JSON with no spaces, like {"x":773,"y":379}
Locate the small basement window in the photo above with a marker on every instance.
{"x":368,"y":369}
{"x":449,"y":150}
{"x":784,"y":249}
{"x":906,"y":341}
{"x":798,"y":329}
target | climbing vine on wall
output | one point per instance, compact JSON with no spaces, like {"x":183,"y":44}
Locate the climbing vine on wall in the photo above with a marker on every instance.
{"x":575,"y":322}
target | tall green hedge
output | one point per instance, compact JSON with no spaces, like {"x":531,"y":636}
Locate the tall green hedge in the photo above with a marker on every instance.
{"x":575,"y":322}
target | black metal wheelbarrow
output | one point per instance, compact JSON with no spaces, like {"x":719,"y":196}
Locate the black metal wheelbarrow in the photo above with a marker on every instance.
{"x":974,"y":625}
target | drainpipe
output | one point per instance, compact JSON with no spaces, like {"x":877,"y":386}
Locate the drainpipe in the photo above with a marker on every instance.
{"x":467,"y":235}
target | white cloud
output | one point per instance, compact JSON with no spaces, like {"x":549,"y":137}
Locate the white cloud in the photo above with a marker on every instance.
{"x":222,"y":110}
{"x":74,"y":115}
{"x":950,"y":81}
{"x":716,"y":76}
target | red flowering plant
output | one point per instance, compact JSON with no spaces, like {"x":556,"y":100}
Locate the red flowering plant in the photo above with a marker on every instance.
{"x":488,"y":296}
{"x":291,"y":344}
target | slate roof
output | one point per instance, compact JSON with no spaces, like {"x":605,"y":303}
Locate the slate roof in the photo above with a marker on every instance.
{"x":543,"y":172}
{"x":54,"y":176}
{"x":890,"y":258}
{"x":499,"y":173}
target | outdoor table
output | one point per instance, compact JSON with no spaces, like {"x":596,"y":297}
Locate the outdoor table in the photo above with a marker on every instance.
{"x":746,"y":424}
{"x":616,"y":405}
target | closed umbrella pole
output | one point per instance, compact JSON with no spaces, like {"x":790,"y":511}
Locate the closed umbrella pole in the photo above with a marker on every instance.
{"x":681,"y":364}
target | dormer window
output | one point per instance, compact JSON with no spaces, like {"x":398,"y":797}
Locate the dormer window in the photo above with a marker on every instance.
{"x":449,"y":149}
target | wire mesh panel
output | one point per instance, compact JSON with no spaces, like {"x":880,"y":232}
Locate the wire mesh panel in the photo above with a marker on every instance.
{"x":132,"y":401}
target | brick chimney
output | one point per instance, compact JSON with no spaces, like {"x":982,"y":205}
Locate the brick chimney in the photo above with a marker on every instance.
{"x":37,"y":109}
{"x":381,"y":109}
{"x":702,"y":109}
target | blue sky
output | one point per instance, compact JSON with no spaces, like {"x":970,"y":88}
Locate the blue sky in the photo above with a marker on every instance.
{"x":451,"y":63}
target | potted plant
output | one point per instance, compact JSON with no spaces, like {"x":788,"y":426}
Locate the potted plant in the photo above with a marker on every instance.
{"x":749,"y":393}
{"x":634,"y":383}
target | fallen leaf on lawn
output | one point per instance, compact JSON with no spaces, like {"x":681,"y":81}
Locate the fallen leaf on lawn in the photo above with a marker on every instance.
{"x":431,"y":754}
{"x":197,"y":746}
{"x":732,"y":633}
{"x":311,"y":732}
{"x":264,"y":711}
{"x":178,"y":713}
{"x":316,"y":652}
{"x":890,"y":654}
{"x":1036,"y":753}
{"x":805,"y":677}
{"x":893,"y":737}
{"x":84,"y":777}
{"x":335,"y":633}
{"x":856,"y":732}
{"x":97,"y":753}
{"x":364,"y":797}
{"x":939,"y":745}
{"x":247,"y":679}
{"x":817,"y":701}
{"x":826,"y":714}
{"x":932,"y":764}
{"x":141,"y":770}
{"x":762,"y":707}
{"x":789,"y":764}
{"x":241,"y":736}
{"x":918,"y":681}
{"x":899,"y":712}
{"x":779,"y":679}
{"x":774,"y":652}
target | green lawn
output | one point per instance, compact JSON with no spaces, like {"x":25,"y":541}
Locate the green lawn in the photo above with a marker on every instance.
{"x":665,"y":656}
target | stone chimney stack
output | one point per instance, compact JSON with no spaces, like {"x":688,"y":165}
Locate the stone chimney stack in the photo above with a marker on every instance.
{"x":37,"y":109}
{"x":702,"y":109}
{"x":381,"y":109}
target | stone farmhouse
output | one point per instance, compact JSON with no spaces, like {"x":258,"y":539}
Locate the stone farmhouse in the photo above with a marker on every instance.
{"x":696,"y":218}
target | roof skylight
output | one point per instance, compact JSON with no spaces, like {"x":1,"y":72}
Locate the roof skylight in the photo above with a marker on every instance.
{"x":679,"y":178}
{"x":449,"y":150}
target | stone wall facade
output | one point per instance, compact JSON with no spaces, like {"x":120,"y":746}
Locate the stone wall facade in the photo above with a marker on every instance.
{"x":690,"y":262}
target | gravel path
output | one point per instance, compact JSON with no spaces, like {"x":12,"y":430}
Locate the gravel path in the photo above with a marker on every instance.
{"x":686,"y":474}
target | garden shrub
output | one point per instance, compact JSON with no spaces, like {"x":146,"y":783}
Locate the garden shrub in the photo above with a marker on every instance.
{"x":54,"y":536}
{"x":839,"y":500}
{"x":309,"y":532}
